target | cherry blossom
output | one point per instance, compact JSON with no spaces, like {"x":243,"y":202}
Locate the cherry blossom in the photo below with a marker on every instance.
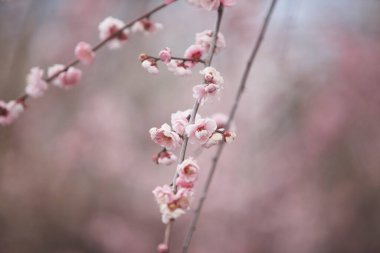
{"x":194,"y":52}
{"x":108,"y":27}
{"x":188,"y":170}
{"x":146,"y":26}
{"x":36,"y":85}
{"x":211,"y":75}
{"x":151,"y":66}
{"x":211,"y":87}
{"x":84,"y":53}
{"x":163,"y":195}
{"x":215,"y":138}
{"x":66,"y":79}
{"x":165,"y":55}
{"x":229,"y":136}
{"x":178,"y":68}
{"x":162,"y":248}
{"x":205,"y":39}
{"x":165,"y":157}
{"x":172,"y":205}
{"x":180,"y":120}
{"x":201,"y":130}
{"x":165,"y":137}
{"x":10,"y":111}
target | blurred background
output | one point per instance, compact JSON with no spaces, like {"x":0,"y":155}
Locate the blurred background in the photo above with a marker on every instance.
{"x":303,"y":175}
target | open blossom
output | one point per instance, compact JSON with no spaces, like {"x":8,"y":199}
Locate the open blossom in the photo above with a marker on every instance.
{"x":188,"y":170}
{"x":165,"y":157}
{"x":205,"y":40}
{"x":84,"y":53}
{"x":211,"y":87}
{"x":163,"y":195}
{"x":172,"y":205}
{"x":146,"y":26}
{"x":180,"y":120}
{"x":211,"y":75}
{"x":165,"y":55}
{"x":109,"y":27}
{"x":10,"y":111}
{"x":36,"y":85}
{"x":151,"y":66}
{"x":194,"y":52}
{"x":202,"y":92}
{"x":215,"y":138}
{"x":229,"y":136}
{"x":66,"y":79}
{"x":178,"y":68}
{"x":201,"y":130}
{"x":165,"y":137}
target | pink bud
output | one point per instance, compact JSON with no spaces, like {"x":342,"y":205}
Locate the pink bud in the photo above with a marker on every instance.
{"x":84,"y":53}
{"x":162,"y":248}
{"x":165,"y":55}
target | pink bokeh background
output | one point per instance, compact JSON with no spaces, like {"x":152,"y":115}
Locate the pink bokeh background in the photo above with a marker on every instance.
{"x":303,"y":175}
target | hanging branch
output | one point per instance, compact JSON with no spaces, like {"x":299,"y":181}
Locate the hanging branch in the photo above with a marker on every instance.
{"x":182,"y":155}
{"x":231,"y":116}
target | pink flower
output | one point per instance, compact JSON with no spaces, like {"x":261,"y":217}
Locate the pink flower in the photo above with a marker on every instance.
{"x":177,"y":206}
{"x":146,"y":26}
{"x":169,"y":1}
{"x":180,"y":120}
{"x":151,"y":66}
{"x":36,"y":85}
{"x":203,"y":92}
{"x":10,"y":111}
{"x":163,"y":195}
{"x":214,"y":139}
{"x":211,"y":75}
{"x":172,"y":205}
{"x":178,"y":68}
{"x":84,"y":53}
{"x":108,"y":27}
{"x":66,"y":79}
{"x":165,"y":137}
{"x":205,"y":40}
{"x":165,"y":55}
{"x":229,"y":136}
{"x":165,"y":158}
{"x":201,"y":131}
{"x":182,"y":183}
{"x":194,"y":52}
{"x":162,"y":248}
{"x":188,"y":170}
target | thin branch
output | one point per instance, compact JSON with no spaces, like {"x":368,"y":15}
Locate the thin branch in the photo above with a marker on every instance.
{"x":177,"y":58}
{"x":231,"y":116}
{"x":101,"y":44}
{"x":192,"y":118}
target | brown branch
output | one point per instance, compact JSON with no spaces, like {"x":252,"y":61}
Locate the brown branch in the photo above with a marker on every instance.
{"x":101,"y":44}
{"x":231,"y":116}
{"x":193,"y":113}
{"x":176,"y":58}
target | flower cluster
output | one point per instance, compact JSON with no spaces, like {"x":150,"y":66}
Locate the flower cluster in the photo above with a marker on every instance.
{"x":172,"y":205}
{"x":10,"y":111}
{"x":195,"y":129}
{"x":112,"y":31}
{"x":192,"y":56}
